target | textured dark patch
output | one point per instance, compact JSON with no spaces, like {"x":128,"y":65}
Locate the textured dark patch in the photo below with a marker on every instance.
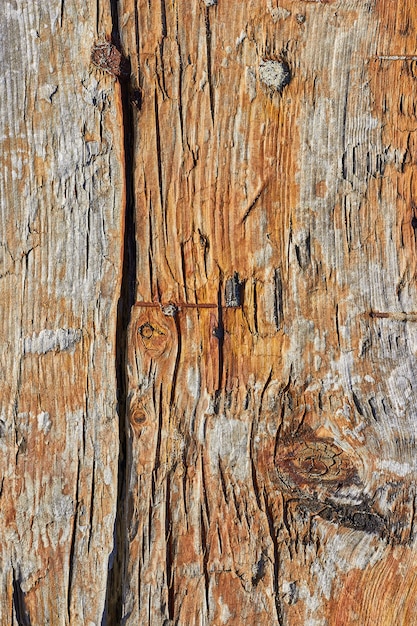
{"x":107,"y":57}
{"x":259,"y":569}
{"x":234,"y":291}
{"x":356,"y":517}
{"x":136,"y":98}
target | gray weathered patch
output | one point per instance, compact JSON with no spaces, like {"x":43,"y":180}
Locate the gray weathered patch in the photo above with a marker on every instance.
{"x":62,"y":339}
{"x":274,"y":74}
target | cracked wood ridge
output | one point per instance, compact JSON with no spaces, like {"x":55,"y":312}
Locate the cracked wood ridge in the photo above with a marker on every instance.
{"x":208,"y":313}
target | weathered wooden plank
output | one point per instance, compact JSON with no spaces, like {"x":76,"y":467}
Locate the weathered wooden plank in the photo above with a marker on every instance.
{"x":268,"y":453}
{"x":62,"y":191}
{"x":273,"y":141}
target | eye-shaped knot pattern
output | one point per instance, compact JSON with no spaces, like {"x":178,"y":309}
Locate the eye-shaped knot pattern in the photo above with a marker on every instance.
{"x":314,"y":461}
{"x":138,"y":416}
{"x":153,"y":338}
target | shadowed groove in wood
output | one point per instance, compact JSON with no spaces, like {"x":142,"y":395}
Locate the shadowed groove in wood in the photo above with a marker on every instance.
{"x":113,"y":610}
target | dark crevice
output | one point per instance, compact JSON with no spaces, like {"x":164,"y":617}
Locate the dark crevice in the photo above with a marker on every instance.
{"x":163,"y":19}
{"x":336,"y":317}
{"x":114,"y":597}
{"x":176,"y":364}
{"x":72,"y":557}
{"x":180,"y":80}
{"x":223,"y":481}
{"x":253,"y":204}
{"x":157,"y":460}
{"x":184,"y":271}
{"x":357,"y":404}
{"x":260,"y":569}
{"x":169,"y":557}
{"x":276,"y":560}
{"x":278,"y":299}
{"x":137,"y":43}
{"x":219,"y":334}
{"x":91,"y":522}
{"x":255,"y":308}
{"x":209,"y":74}
{"x":206,"y":553}
{"x":19,"y":604}
{"x":159,"y":162}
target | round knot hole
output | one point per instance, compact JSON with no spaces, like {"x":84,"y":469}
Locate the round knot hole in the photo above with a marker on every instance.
{"x":146,"y":331}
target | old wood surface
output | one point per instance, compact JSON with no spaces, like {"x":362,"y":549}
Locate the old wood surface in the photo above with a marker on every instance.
{"x":252,"y":180}
{"x":62,"y":189}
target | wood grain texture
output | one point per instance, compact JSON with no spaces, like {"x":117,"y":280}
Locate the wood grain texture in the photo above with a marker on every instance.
{"x":271,"y":450}
{"x":260,"y":159}
{"x":62,"y":192}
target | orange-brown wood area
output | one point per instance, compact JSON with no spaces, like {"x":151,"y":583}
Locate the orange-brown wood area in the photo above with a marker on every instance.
{"x":271,"y":361}
{"x":208,"y":313}
{"x":62,"y":195}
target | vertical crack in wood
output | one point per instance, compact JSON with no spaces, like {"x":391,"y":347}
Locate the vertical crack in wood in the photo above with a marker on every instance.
{"x":176,"y":364}
{"x":219,"y":334}
{"x":209,"y":74}
{"x":114,"y":596}
{"x":278,"y":299}
{"x":19,"y":604}
{"x":276,"y":563}
{"x":159,"y":163}
{"x":72,"y":556}
{"x":92,"y":499}
{"x":61,"y":13}
{"x":137,"y":44}
{"x":180,"y":88}
{"x":255,"y":308}
{"x":169,"y":558}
